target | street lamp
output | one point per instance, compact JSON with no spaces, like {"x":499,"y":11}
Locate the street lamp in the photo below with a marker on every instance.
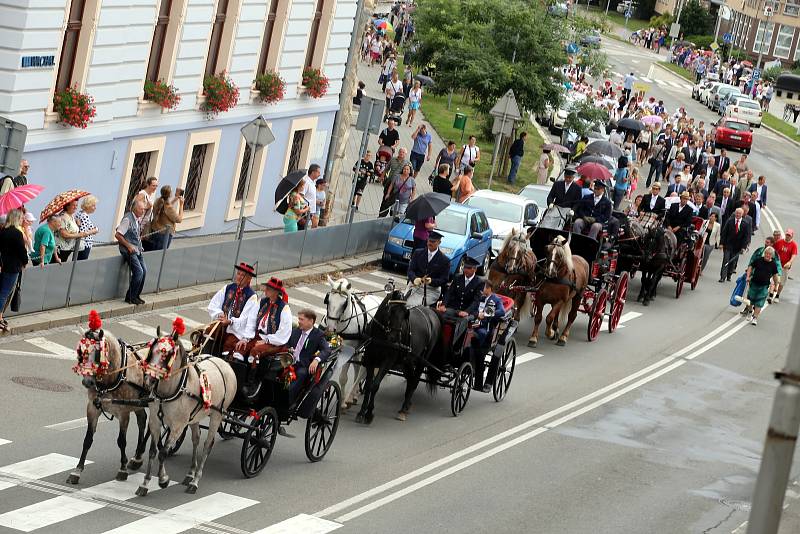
{"x":769,"y":10}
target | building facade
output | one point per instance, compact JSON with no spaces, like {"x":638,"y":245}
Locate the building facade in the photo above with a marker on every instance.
{"x":776,"y":36}
{"x":109,"y":48}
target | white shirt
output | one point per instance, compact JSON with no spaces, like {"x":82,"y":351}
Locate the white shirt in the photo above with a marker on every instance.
{"x":653,"y":200}
{"x":432,"y":254}
{"x":281,"y":337}
{"x":468,"y":280}
{"x":597,"y":199}
{"x":244,"y":326}
{"x":470,"y":153}
{"x":310,"y":194}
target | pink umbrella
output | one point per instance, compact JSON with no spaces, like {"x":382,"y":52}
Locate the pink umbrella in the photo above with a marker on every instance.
{"x":595,"y":171}
{"x":652,"y":119}
{"x":18,"y":196}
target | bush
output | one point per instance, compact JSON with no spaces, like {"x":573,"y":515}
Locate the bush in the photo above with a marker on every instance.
{"x":701,"y":41}
{"x":162,"y":94}
{"x":221,"y":94}
{"x":270,"y":86}
{"x":315,"y":82}
{"x":661,"y":20}
{"x":770,"y":74}
{"x":74,"y":108}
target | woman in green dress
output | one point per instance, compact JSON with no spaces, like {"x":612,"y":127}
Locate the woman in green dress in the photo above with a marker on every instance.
{"x":760,"y":273}
{"x":297,"y":208}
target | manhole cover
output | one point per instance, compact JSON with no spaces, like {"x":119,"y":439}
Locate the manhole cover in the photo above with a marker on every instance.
{"x":741,"y":506}
{"x":36,"y":382}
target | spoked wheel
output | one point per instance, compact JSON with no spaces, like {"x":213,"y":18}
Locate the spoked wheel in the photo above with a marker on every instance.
{"x":228,"y":429}
{"x":696,"y":271}
{"x":322,"y":425}
{"x":505,"y":371}
{"x":259,"y":441}
{"x":681,"y":278}
{"x":618,"y":304}
{"x":597,"y":313}
{"x":172,"y":450}
{"x":462,"y":386}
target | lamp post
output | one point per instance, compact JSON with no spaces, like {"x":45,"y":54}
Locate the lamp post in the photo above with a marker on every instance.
{"x":769,"y":8}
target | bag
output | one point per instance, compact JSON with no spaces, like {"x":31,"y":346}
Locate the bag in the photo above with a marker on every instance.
{"x":16,"y":298}
{"x":738,"y":291}
{"x":381,"y":79}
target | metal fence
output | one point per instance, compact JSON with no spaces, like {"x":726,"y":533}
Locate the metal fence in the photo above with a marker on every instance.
{"x":94,"y":280}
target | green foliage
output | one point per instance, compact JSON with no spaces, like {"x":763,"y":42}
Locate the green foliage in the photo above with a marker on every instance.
{"x":770,"y":74}
{"x":665,"y":19}
{"x":472,"y":43}
{"x":701,"y":41}
{"x":695,"y":19}
{"x":582,"y":115}
{"x":645,"y":9}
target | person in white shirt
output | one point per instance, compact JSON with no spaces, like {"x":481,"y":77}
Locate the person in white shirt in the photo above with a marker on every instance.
{"x":235,"y":307}
{"x":310,"y":192}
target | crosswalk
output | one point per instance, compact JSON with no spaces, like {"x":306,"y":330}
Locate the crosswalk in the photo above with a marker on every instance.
{"x":668,"y":84}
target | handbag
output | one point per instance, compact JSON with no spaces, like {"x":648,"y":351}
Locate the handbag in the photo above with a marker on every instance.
{"x":737,"y":297}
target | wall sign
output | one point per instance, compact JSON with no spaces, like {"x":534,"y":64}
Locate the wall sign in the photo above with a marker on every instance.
{"x":30,"y":62}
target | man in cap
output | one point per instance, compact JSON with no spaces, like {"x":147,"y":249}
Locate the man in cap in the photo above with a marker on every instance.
{"x":786,"y":249}
{"x":430,"y":267}
{"x":679,"y":218}
{"x":235,"y":307}
{"x":653,"y":202}
{"x":481,"y":340}
{"x":593,"y":211}
{"x":565,"y":193}
{"x":461,"y":302}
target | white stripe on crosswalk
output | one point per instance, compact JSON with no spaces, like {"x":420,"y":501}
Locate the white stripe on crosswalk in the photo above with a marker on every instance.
{"x":303,"y":523}
{"x":59,"y":351}
{"x":295,"y":304}
{"x":80,"y":422}
{"x":149,"y":331}
{"x":368,"y":283}
{"x":40,"y":467}
{"x":4,"y":441}
{"x":674,"y":84}
{"x":309,"y":291}
{"x":190,"y":323}
{"x":527,"y":357}
{"x":64,"y":507}
{"x":187,"y":516}
{"x":646,"y":80}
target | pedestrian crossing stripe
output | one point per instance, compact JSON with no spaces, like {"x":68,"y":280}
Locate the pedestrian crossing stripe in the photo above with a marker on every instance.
{"x":59,"y":351}
{"x":5,"y":441}
{"x":307,"y":524}
{"x":646,"y":80}
{"x":309,"y":291}
{"x":149,"y":331}
{"x":36,"y":468}
{"x":190,"y":323}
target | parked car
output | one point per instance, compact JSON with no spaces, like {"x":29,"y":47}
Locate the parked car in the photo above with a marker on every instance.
{"x":721,"y":92}
{"x":726,"y":98}
{"x":745,"y":109}
{"x":592,"y":39}
{"x":505,"y":212}
{"x":705,"y":94}
{"x":698,"y":88}
{"x":734,"y":133}
{"x":465,"y":232}
{"x":537,"y":193}
{"x":559,"y":116}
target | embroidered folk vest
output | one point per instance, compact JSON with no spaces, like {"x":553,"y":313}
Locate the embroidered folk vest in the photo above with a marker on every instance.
{"x":235,"y":299}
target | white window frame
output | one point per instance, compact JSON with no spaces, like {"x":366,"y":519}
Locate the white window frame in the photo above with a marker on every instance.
{"x":759,"y":42}
{"x":256,"y":179}
{"x":136,"y":146}
{"x":305,"y":123}
{"x":787,"y":49}
{"x":197,"y":217}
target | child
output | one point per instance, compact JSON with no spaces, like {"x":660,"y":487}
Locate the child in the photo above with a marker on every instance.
{"x":321,"y":197}
{"x":380,"y":167}
{"x":366,"y":172}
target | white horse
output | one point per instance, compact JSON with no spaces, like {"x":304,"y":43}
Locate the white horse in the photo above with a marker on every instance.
{"x":347,"y":314}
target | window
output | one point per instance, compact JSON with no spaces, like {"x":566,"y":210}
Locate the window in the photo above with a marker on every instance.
{"x":240,"y":179}
{"x":314,"y":33}
{"x":273,"y":35}
{"x":763,"y":37}
{"x":783,"y":43}
{"x":791,"y":9}
{"x":220,"y":45}
{"x":318,"y":33}
{"x":143,"y":160}
{"x":159,"y":38}
{"x":78,"y":34}
{"x":296,"y":154}
{"x":197,"y":175}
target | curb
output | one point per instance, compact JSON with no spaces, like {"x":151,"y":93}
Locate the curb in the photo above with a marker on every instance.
{"x":178,"y":297}
{"x":665,"y":69}
{"x":557,"y":163}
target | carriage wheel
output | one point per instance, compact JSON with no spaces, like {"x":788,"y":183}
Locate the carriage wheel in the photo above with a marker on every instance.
{"x":259,"y":441}
{"x":462,"y":385}
{"x":505,"y":371}
{"x":597,"y":313}
{"x":618,"y":304}
{"x":174,"y":449}
{"x":322,"y":425}
{"x":228,"y":430}
{"x":698,"y":264}
{"x":681,"y":278}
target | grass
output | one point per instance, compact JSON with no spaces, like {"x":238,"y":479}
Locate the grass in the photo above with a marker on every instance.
{"x":771,"y":121}
{"x":619,"y":19}
{"x":434,"y":108}
{"x":680,"y":71}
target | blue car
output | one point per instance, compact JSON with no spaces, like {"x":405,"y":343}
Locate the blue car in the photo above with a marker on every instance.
{"x":465,"y":232}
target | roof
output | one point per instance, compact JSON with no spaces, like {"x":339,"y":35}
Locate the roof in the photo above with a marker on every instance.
{"x":734,"y":119}
{"x":500,"y":195}
{"x":788,"y":82}
{"x":460,"y":208}
{"x":537,"y":186}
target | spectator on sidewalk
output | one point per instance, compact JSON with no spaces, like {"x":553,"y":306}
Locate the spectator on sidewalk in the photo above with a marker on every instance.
{"x":389,"y":136}
{"x":129,"y":237}
{"x":414,"y":102}
{"x":395,"y":166}
{"x":8,"y":183}
{"x":402,"y":189}
{"x":441,"y":183}
{"x":394,"y":87}
{"x":14,"y":259}
{"x":470,"y":155}
{"x":447,"y":155}
{"x":408,"y":80}
{"x":167,"y":213}
{"x":320,"y":185}
{"x":70,"y":234}
{"x":309,"y":190}
{"x":543,"y":167}
{"x":421,"y":150}
{"x":296,"y":210}
{"x":388,"y":72}
{"x":148,"y":196}
{"x":86,"y":226}
{"x":27,"y":227}
{"x":44,"y":242}
{"x":359,"y":94}
{"x":365,"y":174}
{"x":463,"y":186}
{"x":516,"y":152}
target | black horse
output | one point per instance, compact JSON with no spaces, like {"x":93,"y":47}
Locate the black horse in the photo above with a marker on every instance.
{"x":658,"y":246}
{"x":399,"y":337}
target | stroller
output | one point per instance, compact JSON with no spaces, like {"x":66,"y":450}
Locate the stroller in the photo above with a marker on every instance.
{"x":396,"y":106}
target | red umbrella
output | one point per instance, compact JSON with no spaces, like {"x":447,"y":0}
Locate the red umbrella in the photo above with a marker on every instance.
{"x":595,"y":171}
{"x":18,"y":196}
{"x":62,"y":199}
{"x":746,"y":63}
{"x":556,"y":148}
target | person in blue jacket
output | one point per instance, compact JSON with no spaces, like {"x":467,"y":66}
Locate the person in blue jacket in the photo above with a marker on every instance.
{"x":483,"y":335}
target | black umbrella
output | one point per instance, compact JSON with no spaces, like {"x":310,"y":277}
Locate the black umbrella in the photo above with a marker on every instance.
{"x":427,"y":205}
{"x":426,"y":81}
{"x":594,"y":158}
{"x":631,"y":124}
{"x":604,"y":147}
{"x":285,"y":187}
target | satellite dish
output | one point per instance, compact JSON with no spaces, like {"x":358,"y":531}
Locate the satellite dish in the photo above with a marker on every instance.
{"x":725,"y":13}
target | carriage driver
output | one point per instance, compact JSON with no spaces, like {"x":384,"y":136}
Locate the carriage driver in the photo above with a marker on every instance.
{"x":235,"y":307}
{"x":679,"y":218}
{"x":430,"y":265}
{"x":483,"y":335}
{"x":461,"y":302}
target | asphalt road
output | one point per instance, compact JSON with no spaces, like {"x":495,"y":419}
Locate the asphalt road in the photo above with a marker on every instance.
{"x":656,"y":428}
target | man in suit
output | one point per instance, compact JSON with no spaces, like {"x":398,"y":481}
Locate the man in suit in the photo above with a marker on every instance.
{"x":461,"y":302}
{"x":430,"y":266}
{"x":708,"y":172}
{"x":593,"y":211}
{"x":678,"y":187}
{"x":710,"y":207}
{"x":679,"y":218}
{"x":733,"y":240}
{"x":699,"y":186}
{"x":669,"y":141}
{"x":726,"y":205}
{"x":722,"y":183}
{"x":760,"y":190}
{"x":722,"y":162}
{"x":309,"y":349}
{"x":691,"y":153}
{"x":565,"y":193}
{"x":483,"y":335}
{"x":653,"y":202}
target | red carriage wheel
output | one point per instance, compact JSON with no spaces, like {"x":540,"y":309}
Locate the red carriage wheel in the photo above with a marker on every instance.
{"x":698,"y":263}
{"x":618,"y":303}
{"x":681,"y":277}
{"x":597,"y":313}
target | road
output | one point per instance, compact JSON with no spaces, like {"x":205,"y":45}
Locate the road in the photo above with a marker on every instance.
{"x":655,"y":428}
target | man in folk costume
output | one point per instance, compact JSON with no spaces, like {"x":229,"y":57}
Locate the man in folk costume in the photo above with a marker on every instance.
{"x":235,"y":307}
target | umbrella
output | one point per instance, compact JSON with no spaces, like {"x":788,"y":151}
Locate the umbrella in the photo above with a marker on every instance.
{"x":746,"y":63}
{"x":594,"y":158}
{"x":62,"y":199}
{"x":425,"y":81}
{"x":605,"y":148}
{"x":18,"y":196}
{"x":556,"y":148}
{"x":652,"y":119}
{"x":631,"y":124}
{"x":427,"y":205}
{"x":285,"y":187}
{"x":595,"y":171}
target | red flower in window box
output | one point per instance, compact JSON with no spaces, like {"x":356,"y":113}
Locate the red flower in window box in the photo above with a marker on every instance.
{"x":74,"y":108}
{"x":315,"y":82}
{"x":221,"y":94}
{"x":270,"y":86}
{"x":165,"y":95}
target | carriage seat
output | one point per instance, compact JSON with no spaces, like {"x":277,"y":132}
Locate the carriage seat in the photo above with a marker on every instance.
{"x":508,"y":305}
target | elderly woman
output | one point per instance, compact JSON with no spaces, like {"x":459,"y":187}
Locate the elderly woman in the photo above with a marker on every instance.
{"x":86,"y":226}
{"x":69,"y":233}
{"x":712,"y":238}
{"x":14,"y":259}
{"x":761,"y":273}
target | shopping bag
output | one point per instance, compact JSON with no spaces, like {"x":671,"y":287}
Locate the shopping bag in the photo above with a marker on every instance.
{"x":737,"y":297}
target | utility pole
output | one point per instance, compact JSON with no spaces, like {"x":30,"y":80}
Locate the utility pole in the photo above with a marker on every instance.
{"x":768,"y":11}
{"x":719,"y":20}
{"x":776,"y":462}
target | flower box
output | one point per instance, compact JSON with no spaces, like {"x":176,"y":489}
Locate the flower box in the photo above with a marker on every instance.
{"x":74,"y":108}
{"x":315,"y":82}
{"x":270,"y":86}
{"x":165,"y":95}
{"x":221,"y":94}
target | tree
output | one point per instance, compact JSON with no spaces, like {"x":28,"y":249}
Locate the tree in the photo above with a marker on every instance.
{"x":583,"y":115}
{"x":695,"y":19}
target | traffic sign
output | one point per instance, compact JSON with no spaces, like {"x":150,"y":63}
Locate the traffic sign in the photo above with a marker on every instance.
{"x":12,"y":143}
{"x":370,"y":115}
{"x":628,"y":14}
{"x":756,"y":74}
{"x":727,"y":38}
{"x":674,"y":29}
{"x":257,"y":132}
{"x":713,"y":46}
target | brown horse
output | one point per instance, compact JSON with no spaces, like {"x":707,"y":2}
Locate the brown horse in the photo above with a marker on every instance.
{"x":561,"y":285}
{"x":515,"y":266}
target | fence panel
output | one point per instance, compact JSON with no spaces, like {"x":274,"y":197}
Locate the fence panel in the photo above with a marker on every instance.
{"x":33,"y":290}
{"x":55,"y":286}
{"x":86,"y":275}
{"x":172,"y":268}
{"x":224,"y":264}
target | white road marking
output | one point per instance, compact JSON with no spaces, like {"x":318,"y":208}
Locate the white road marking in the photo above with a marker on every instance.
{"x":674,"y":84}
{"x":39,"y":467}
{"x":528,"y":357}
{"x":368,"y":283}
{"x":301,"y":524}
{"x":617,"y":74}
{"x":28,"y":354}
{"x":149,"y":331}
{"x":187,"y":516}
{"x":309,"y":291}
{"x":57,"y":350}
{"x":771,"y":219}
{"x":80,"y":422}
{"x":5,"y":441}
{"x":645,"y":79}
{"x":190,"y":323}
{"x":634,"y":61}
{"x":64,"y":507}
{"x":295,"y":304}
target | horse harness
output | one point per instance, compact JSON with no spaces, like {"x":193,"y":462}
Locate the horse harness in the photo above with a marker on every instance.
{"x":352,"y":302}
{"x":182,"y":390}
